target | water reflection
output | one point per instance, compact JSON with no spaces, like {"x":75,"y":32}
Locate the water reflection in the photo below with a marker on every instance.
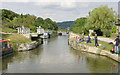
{"x":19,"y":57}
{"x":45,"y":41}
{"x":96,"y":63}
{"x":55,"y":56}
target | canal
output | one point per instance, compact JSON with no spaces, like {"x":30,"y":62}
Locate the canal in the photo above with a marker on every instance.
{"x":56,"y":56}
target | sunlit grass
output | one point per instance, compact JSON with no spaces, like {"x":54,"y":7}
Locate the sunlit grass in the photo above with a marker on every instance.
{"x":103,"y":46}
{"x":16,"y":39}
{"x":8,"y":30}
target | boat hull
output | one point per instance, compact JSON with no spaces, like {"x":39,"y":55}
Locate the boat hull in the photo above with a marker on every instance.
{"x":59,"y":33}
{"x":6,"y":52}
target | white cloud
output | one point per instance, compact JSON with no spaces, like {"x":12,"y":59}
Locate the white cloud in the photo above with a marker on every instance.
{"x":14,"y":0}
{"x":60,"y":0}
{"x":43,"y":3}
{"x":97,"y":0}
{"x":58,"y":11}
{"x":84,"y":4}
{"x":68,"y":4}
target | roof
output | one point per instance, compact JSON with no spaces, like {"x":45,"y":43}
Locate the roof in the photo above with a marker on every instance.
{"x":3,"y":40}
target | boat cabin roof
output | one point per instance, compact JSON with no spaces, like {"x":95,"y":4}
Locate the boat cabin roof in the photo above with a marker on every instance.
{"x":3,"y":40}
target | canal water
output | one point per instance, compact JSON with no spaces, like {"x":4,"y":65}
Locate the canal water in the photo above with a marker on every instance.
{"x":56,"y":56}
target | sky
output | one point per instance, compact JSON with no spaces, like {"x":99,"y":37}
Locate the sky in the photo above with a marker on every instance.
{"x":57,"y":10}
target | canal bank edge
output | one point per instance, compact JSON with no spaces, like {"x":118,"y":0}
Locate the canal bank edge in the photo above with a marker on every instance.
{"x":90,"y":49}
{"x":27,"y":46}
{"x":32,"y":45}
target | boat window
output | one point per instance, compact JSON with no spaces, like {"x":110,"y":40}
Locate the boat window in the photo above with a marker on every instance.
{"x":4,"y":45}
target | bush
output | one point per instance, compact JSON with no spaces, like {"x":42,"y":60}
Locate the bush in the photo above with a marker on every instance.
{"x":107,"y":33}
{"x":114,"y":29}
{"x":93,"y":34}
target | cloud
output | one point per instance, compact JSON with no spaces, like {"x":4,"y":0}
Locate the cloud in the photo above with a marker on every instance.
{"x":68,"y":4}
{"x":44,"y":3}
{"x":59,"y":0}
{"x":63,"y":4}
{"x":15,"y":0}
{"x":57,"y":11}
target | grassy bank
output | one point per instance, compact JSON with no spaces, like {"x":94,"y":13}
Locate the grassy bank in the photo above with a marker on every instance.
{"x":102,"y":45}
{"x":8,"y":30}
{"x":16,"y":39}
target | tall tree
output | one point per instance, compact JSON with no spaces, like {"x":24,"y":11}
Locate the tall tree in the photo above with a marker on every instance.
{"x":8,"y":15}
{"x":39,"y":22}
{"x":102,"y":18}
{"x":79,"y":25}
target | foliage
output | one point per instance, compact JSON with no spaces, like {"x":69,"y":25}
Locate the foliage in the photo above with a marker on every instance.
{"x":65,"y":24}
{"x":114,"y":29}
{"x":107,"y":33}
{"x":79,"y":25}
{"x":93,"y":34}
{"x":39,"y":22}
{"x":8,"y":30}
{"x":102,"y":20}
{"x":16,"y":39}
{"x":8,"y":15}
{"x":27,"y":21}
{"x":98,"y":31}
{"x":49,"y":24}
{"x":13,"y":20}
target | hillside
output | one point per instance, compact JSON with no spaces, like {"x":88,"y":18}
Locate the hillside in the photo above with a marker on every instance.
{"x":65,"y":24}
{"x":12,"y":20}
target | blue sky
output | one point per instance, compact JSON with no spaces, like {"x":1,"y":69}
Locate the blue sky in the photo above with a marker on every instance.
{"x":55,"y":9}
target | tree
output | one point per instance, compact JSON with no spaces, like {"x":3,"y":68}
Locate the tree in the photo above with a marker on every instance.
{"x":49,"y":24}
{"x":79,"y":25}
{"x":39,"y":22}
{"x":64,"y":25}
{"x":8,"y":15}
{"x":13,"y":20}
{"x":102,"y":18}
{"x":27,"y":21}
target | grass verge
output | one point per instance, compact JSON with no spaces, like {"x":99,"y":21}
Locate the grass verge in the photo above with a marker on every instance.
{"x":16,"y":39}
{"x":8,"y":30}
{"x":103,"y":45}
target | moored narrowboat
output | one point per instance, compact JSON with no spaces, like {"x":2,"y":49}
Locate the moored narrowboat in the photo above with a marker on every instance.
{"x":5,"y":48}
{"x":45,"y":35}
{"x":60,"y":33}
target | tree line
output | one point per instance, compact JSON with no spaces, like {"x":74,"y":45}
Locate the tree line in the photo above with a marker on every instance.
{"x":101,"y":20}
{"x":64,"y":25}
{"x":13,"y":20}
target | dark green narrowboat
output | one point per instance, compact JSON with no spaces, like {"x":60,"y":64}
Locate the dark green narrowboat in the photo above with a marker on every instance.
{"x":5,"y":48}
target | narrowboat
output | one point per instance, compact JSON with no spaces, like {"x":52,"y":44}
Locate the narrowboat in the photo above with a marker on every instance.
{"x":5,"y":48}
{"x":60,"y":33}
{"x":45,"y":35}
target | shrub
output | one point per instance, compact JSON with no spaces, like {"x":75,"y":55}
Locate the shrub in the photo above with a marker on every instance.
{"x":93,"y":34}
{"x":114,"y":29}
{"x":107,"y":33}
